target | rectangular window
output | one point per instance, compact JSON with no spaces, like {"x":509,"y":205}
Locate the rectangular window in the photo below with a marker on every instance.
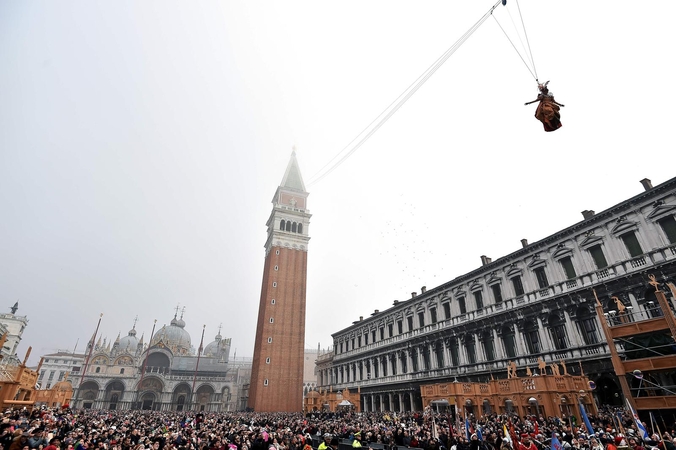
{"x":631,"y":242}
{"x":597,"y":255}
{"x":366,"y":339}
{"x":433,"y":313}
{"x":461,"y":304}
{"x":568,"y":268}
{"x":42,"y":374}
{"x":447,"y":310}
{"x":542,"y":277}
{"x":373,"y":335}
{"x":341,"y":348}
{"x":51,"y":375}
{"x":352,"y":343}
{"x":60,"y":376}
{"x":518,"y":286}
{"x":497,"y":293}
{"x":382,"y":333}
{"x":409,"y":322}
{"x":668,"y":225}
{"x":400,"y":327}
{"x":421,"y":319}
{"x":359,"y":341}
{"x":390,"y":330}
{"x":479,"y":299}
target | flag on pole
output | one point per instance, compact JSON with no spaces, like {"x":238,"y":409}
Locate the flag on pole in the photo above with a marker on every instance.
{"x":478,"y":433}
{"x":506,"y":435}
{"x":556,"y":444}
{"x":641,"y":429}
{"x":585,"y":418}
{"x":467,"y":429}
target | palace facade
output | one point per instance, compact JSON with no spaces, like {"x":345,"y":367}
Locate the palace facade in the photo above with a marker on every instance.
{"x":535,"y":304}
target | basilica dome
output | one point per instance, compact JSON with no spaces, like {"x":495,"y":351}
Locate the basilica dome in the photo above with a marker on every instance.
{"x":174,"y":337}
{"x":219,"y":348}
{"x":130,"y":341}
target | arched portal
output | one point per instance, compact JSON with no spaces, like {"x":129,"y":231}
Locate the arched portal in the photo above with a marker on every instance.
{"x":148,"y":401}
{"x":114,"y":392}
{"x":203,"y":397}
{"x":181,"y":397}
{"x":89,"y":391}
{"x":608,"y":392}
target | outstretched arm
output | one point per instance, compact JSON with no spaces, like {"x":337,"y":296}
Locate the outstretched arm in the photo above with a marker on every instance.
{"x":528,"y":103}
{"x":560,"y":104}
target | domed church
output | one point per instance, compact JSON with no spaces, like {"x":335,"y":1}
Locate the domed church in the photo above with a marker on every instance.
{"x":167,"y":374}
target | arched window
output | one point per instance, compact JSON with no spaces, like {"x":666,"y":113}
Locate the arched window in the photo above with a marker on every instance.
{"x":532,"y":337}
{"x":282,"y":225}
{"x":509,"y":341}
{"x":300,"y":228}
{"x":121,"y":371}
{"x":98,"y":369}
{"x":489,"y":350}
{"x":586,"y":321}
{"x":470,"y":348}
{"x":288,"y":226}
{"x":294,"y":227}
{"x":557,"y":327}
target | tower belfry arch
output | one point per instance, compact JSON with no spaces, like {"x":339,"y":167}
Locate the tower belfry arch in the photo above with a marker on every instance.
{"x":277,"y":371}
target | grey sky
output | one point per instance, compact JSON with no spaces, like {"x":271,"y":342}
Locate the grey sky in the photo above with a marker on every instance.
{"x":141,"y":144}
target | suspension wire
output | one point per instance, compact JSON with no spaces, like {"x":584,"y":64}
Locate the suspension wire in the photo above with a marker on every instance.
{"x":383,"y":117}
{"x":516,"y":50}
{"x":530,"y":60}
{"x":527,"y":41}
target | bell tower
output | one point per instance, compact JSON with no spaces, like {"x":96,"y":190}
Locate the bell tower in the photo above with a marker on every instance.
{"x":277,"y":371}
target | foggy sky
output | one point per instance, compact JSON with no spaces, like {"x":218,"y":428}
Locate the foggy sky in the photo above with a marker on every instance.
{"x":141,"y":144}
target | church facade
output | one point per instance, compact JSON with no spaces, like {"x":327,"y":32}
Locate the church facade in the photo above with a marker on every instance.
{"x":165,"y":374}
{"x":535,"y":304}
{"x":277,"y":372}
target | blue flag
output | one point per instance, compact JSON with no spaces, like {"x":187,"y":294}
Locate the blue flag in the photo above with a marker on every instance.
{"x":556,"y":444}
{"x":467,"y":426}
{"x":641,"y":429}
{"x":590,"y":430}
{"x":478,"y":433}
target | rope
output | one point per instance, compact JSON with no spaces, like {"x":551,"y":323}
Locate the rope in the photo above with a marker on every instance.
{"x":511,"y":18}
{"x":527,"y":41}
{"x":384,"y":116}
{"x":517,"y":51}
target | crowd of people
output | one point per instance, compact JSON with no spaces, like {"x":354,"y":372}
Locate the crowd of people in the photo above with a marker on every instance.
{"x":56,"y":429}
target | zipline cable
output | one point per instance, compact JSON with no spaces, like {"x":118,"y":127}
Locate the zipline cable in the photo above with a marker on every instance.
{"x":380,"y":120}
{"x":530,"y":60}
{"x":527,"y":41}
{"x":517,"y":51}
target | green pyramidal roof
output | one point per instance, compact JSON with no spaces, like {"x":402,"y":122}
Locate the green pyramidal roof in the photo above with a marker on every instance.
{"x":292,"y":177}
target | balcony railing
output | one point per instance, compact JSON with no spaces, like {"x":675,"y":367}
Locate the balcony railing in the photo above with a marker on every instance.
{"x":585,"y":352}
{"x":561,"y":287}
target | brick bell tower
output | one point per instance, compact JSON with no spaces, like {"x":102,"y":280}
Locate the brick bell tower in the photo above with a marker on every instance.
{"x":277,"y":371}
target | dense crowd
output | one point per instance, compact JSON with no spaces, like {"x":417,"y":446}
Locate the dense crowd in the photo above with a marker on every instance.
{"x":47,"y":429}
